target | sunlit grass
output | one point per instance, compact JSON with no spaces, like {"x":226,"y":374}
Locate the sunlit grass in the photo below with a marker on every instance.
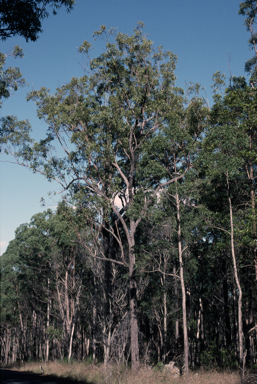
{"x":113,"y":374}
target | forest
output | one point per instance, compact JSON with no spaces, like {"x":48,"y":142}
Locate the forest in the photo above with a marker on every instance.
{"x":151,"y":256}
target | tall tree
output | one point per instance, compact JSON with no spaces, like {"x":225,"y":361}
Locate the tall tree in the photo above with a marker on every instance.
{"x":103,"y":122}
{"x":224,"y":145}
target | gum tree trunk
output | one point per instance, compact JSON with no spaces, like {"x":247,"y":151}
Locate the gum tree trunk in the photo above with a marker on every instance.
{"x":240,"y":323}
{"x":184,"y":309}
{"x":47,"y":321}
{"x":133,"y":303}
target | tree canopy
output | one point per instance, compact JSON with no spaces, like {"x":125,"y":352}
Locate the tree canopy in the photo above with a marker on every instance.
{"x":24,"y":17}
{"x":249,"y":9}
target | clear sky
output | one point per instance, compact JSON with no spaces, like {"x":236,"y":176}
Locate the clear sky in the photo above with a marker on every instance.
{"x":204,"y":34}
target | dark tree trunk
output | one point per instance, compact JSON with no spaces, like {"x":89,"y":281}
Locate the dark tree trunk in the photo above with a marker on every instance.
{"x":133,"y":311}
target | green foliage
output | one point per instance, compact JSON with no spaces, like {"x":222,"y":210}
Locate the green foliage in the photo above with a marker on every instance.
{"x":248,"y":8}
{"x":113,"y":119}
{"x":15,"y":134}
{"x":54,"y":333}
{"x":227,"y":141}
{"x":66,"y":361}
{"x":133,"y":144}
{"x":10,"y":78}
{"x":216,"y":358}
{"x":253,"y":368}
{"x":23,"y":17}
{"x":159,"y":367}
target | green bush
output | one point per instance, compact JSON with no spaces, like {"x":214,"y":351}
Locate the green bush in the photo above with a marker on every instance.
{"x":218,"y":358}
{"x":159,"y":367}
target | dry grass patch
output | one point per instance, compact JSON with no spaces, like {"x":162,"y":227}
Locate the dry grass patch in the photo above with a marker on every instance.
{"x":113,"y":374}
{"x":75,"y":370}
{"x":164,"y":377}
{"x":212,"y":377}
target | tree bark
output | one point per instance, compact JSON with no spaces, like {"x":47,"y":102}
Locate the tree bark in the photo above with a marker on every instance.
{"x":47,"y":321}
{"x":184,"y":309}
{"x":133,"y":304}
{"x":226,"y":313}
{"x":94,"y":315}
{"x":240,"y":323}
{"x":74,"y":321}
{"x":176,"y":307}
{"x":165,"y":316}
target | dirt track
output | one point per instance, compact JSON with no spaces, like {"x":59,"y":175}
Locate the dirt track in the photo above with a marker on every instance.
{"x":8,"y":376}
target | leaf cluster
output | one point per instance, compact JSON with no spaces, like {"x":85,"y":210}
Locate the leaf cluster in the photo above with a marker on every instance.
{"x":24,"y":17}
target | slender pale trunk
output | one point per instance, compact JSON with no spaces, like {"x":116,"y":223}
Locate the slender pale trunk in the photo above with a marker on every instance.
{"x":34,"y":336}
{"x":109,"y":253}
{"x":61,"y":309}
{"x":47,"y":320}
{"x":74,"y":321}
{"x":200,"y":330}
{"x":227,"y":314}
{"x":107,"y":347}
{"x":23,"y":333}
{"x":67,"y":304}
{"x":94,"y":314}
{"x":14,"y":349}
{"x":7,"y":346}
{"x":253,"y":197}
{"x":71,"y":340}
{"x":250,"y":174}
{"x":176,"y":306}
{"x":165,"y":314}
{"x":184,"y":309}
{"x":199,"y":319}
{"x":86,"y":345}
{"x":240,"y":323}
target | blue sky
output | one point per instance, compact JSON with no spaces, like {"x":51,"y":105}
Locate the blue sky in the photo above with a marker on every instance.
{"x":204,"y":34}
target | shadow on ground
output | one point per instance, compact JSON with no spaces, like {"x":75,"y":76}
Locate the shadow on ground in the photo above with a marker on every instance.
{"x":9,"y":376}
{"x":251,"y":378}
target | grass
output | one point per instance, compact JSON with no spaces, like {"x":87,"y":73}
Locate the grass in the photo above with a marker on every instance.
{"x":113,"y":374}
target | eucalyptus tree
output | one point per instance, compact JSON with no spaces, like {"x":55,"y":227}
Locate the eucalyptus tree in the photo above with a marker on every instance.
{"x":238,"y":109}
{"x":176,"y":149}
{"x":213,"y":281}
{"x":103,"y":122}
{"x":225,"y":143}
{"x":240,"y":103}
